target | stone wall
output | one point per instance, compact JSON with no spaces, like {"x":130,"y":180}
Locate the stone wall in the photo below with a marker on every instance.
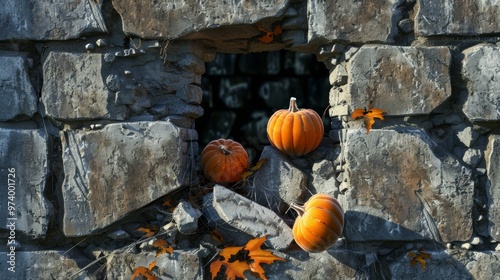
{"x":98,"y":137}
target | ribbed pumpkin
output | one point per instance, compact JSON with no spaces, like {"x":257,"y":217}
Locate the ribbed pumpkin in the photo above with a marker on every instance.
{"x":295,"y":131}
{"x":223,"y":161}
{"x":319,"y":224}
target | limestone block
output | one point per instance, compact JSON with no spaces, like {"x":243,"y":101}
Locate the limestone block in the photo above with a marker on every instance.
{"x":492,"y":156}
{"x":481,"y":71}
{"x":24,"y":166}
{"x":403,"y":186}
{"x":359,"y":21}
{"x":49,"y":20}
{"x":181,"y":264}
{"x":120,"y":168}
{"x":450,"y":17}
{"x":401,"y":80}
{"x":18,"y":97}
{"x":64,"y":264}
{"x":277,"y":183}
{"x":74,"y":88}
{"x":170,"y":19}
{"x":249,"y":217}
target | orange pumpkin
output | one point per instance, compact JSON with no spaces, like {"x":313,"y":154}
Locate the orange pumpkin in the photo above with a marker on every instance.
{"x":223,"y":161}
{"x":295,"y":131}
{"x":319,"y":224}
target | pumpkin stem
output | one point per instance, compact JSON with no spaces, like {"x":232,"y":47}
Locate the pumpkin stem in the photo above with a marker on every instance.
{"x":298,"y":208}
{"x":225,"y":150}
{"x":293,"y":105}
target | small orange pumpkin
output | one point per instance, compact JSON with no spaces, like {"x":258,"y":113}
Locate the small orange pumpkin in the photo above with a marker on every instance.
{"x":295,"y":131}
{"x":320,"y":223}
{"x":223,"y":161}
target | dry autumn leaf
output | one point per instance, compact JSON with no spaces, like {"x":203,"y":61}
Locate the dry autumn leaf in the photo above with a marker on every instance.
{"x":149,"y":230}
{"x":419,"y":257}
{"x":251,"y":170}
{"x":146,"y":272}
{"x":162,"y":247}
{"x":369,"y":115}
{"x":268,"y":37}
{"x":237,"y":260}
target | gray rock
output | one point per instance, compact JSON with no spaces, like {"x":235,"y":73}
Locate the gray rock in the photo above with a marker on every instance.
{"x":18,"y":97}
{"x":119,"y":235}
{"x":83,"y":95}
{"x":64,"y":264}
{"x":249,"y":217}
{"x":353,"y":21}
{"x":481,"y":71}
{"x":400,"y":80}
{"x":447,"y":18}
{"x":181,"y":264}
{"x":46,"y":20}
{"x":492,"y":156}
{"x":277,"y":183}
{"x":169,"y":19}
{"x":467,"y":136}
{"x":472,"y":157}
{"x":118,"y":169}
{"x":449,"y":264}
{"x":403,"y":186}
{"x":186,"y":217}
{"x":24,"y":165}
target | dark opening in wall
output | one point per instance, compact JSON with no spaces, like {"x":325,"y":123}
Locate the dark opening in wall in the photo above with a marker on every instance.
{"x":241,"y":92}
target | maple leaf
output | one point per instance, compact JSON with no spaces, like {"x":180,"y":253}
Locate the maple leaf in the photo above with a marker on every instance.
{"x":419,"y":257}
{"x":237,"y":260}
{"x":169,"y":204}
{"x":146,"y":272}
{"x":251,"y":170}
{"x":162,"y":247}
{"x":149,"y":230}
{"x":369,"y":115}
{"x":268,"y":37}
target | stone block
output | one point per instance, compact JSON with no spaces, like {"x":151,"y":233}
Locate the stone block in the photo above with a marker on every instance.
{"x":74,"y":88}
{"x":241,"y":213}
{"x":118,"y":169}
{"x":24,"y":167}
{"x":19,"y":100}
{"x":403,"y":186}
{"x":49,"y":20}
{"x":360,"y":21}
{"x":170,"y":19}
{"x":451,"y":17}
{"x":481,"y":71}
{"x":277,"y":183}
{"x":181,"y":264}
{"x":400,"y":80}
{"x":492,"y":156}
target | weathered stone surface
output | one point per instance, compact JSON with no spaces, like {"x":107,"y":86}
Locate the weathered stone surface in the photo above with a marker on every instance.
{"x":329,"y":264}
{"x":400,"y":80}
{"x":450,"y":264}
{"x":181,"y":264}
{"x":24,"y":165}
{"x":186,"y":217}
{"x":402,"y":186}
{"x":277,"y":183}
{"x":85,"y":95}
{"x":46,"y":20}
{"x":64,"y":264}
{"x":461,"y":17}
{"x":120,"y":168}
{"x":492,"y":156}
{"x":249,"y":217}
{"x":19,"y":97}
{"x":481,"y":71}
{"x":171,"y":19}
{"x":360,"y":21}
